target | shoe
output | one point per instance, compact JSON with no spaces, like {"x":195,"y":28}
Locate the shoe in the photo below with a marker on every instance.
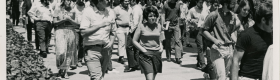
{"x":121,"y":60}
{"x":93,"y":79}
{"x":59,"y":73}
{"x":201,"y":66}
{"x":130,"y":70}
{"x":113,"y":71}
{"x":189,"y":45}
{"x":178,"y":61}
{"x":64,"y":74}
{"x":79,"y":64}
{"x":43,"y":54}
{"x":73,"y":67}
{"x":168,"y":60}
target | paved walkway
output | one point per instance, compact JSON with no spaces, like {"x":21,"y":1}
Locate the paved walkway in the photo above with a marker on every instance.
{"x":171,"y":71}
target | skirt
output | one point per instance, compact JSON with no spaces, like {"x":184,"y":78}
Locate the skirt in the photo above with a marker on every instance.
{"x":150,"y":64}
{"x":66,"y":48}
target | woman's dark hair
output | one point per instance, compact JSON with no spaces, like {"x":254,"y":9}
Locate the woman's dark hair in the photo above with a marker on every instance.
{"x":185,"y":1}
{"x":80,"y":3}
{"x":264,"y":10}
{"x":223,"y":2}
{"x":214,"y":1}
{"x":95,"y":2}
{"x":242,"y":4}
{"x":149,"y":10}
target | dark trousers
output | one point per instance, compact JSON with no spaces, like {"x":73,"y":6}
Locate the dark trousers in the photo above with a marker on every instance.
{"x":175,"y":34}
{"x":29,"y":27}
{"x":15,"y":15}
{"x":110,"y":65}
{"x":132,"y":52}
{"x":43,"y":30}
{"x":183,"y":32}
{"x":201,"y":49}
{"x":37,"y":43}
{"x":81,"y":48}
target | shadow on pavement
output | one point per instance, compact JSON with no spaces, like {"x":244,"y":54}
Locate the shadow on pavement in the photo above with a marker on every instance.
{"x":190,"y":50}
{"x":193,"y":55}
{"x":84,"y":72}
{"x":69,"y":73}
{"x":198,"y":79}
{"x":190,"y":66}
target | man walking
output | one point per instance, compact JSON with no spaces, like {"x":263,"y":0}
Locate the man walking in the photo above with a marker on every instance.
{"x":252,"y":45}
{"x":15,"y":11}
{"x":123,"y":12}
{"x":96,"y":24}
{"x":221,"y":23}
{"x":42,"y":15}
{"x":195,"y":19}
{"x":25,"y":8}
{"x":171,"y":14}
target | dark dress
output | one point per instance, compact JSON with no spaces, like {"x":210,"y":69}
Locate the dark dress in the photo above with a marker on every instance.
{"x":150,"y":40}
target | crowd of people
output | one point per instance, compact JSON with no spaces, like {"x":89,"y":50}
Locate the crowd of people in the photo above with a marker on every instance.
{"x":235,"y":35}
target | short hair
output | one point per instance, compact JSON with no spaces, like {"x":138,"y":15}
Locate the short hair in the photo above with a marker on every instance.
{"x":95,"y":2}
{"x":185,"y":1}
{"x":223,"y":2}
{"x":137,"y":1}
{"x":80,"y":3}
{"x":264,"y":10}
{"x":214,"y":1}
{"x":121,"y":1}
{"x":149,"y":10}
{"x":199,"y":0}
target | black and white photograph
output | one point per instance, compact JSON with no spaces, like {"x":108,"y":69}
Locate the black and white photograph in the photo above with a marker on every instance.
{"x":141,"y":40}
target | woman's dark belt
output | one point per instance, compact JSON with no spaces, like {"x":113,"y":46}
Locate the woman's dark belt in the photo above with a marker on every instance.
{"x":122,"y":26}
{"x":42,"y":21}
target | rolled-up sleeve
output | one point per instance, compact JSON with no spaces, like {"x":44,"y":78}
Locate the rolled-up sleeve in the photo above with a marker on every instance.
{"x":85,"y":23}
{"x":32,"y":11}
{"x":136,"y":17}
{"x":210,"y":21}
{"x":113,"y":17}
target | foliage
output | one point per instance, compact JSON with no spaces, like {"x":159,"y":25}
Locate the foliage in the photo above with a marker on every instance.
{"x":22,"y":62}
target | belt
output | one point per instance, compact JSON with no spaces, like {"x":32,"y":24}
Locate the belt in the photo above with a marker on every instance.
{"x":122,"y":26}
{"x":227,"y":44}
{"x":42,"y":21}
{"x":251,"y":78}
{"x":98,"y":45}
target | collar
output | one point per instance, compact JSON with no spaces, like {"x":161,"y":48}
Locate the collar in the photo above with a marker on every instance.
{"x":96,"y":10}
{"x":198,"y":8}
{"x":123,"y":7}
{"x":142,"y":7}
{"x":221,"y":11}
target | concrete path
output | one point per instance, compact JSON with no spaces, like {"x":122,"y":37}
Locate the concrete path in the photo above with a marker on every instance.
{"x":171,"y":71}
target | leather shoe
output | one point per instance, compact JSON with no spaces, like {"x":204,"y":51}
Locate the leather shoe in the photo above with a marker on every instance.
{"x":168,"y":60}
{"x":189,"y":45}
{"x":130,"y":70}
{"x":43,"y":54}
{"x":201,"y":66}
{"x":121,"y":60}
{"x":178,"y":61}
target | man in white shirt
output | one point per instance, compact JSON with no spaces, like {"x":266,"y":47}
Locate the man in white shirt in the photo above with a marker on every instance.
{"x":96,"y":22}
{"x":196,"y":20}
{"x":136,"y":18}
{"x":123,"y":12}
{"x":42,"y":16}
